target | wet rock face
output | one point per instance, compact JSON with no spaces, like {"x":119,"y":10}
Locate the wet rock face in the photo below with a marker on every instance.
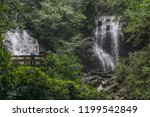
{"x":85,"y":53}
{"x":87,"y":56}
{"x":100,"y":52}
{"x":106,"y":42}
{"x":20,"y":42}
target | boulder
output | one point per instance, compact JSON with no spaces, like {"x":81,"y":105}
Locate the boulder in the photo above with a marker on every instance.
{"x":93,"y":81}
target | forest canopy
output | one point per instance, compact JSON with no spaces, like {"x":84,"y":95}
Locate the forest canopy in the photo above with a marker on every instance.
{"x":62,"y":26}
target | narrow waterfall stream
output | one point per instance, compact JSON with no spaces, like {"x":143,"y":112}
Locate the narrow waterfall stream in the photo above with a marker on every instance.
{"x":20,"y":42}
{"x":106,"y":42}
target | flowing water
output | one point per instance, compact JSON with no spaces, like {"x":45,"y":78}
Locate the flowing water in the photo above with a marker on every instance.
{"x":106,"y":42}
{"x":20,"y":42}
{"x":107,"y":36}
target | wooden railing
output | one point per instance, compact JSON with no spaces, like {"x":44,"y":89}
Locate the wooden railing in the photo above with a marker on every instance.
{"x":27,"y":60}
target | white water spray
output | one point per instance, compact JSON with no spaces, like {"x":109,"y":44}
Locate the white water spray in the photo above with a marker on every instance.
{"x":106,"y":42}
{"x":20,"y":42}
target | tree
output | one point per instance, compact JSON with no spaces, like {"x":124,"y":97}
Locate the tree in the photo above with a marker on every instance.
{"x":29,"y":83}
{"x":133,"y":74}
{"x":91,"y":9}
{"x":135,"y":20}
{"x":25,"y":12}
{"x":63,"y":66}
{"x":56,"y":22}
{"x":6,"y":16}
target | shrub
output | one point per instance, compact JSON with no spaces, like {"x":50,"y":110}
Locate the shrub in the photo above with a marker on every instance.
{"x":63,"y":66}
{"x":30,"y":83}
{"x":133,"y":73}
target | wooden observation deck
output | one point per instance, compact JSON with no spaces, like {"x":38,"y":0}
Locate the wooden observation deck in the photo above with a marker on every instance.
{"x":27,"y":60}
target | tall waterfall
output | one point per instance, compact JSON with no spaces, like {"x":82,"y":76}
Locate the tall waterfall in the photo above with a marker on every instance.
{"x":20,"y":42}
{"x":106,"y":42}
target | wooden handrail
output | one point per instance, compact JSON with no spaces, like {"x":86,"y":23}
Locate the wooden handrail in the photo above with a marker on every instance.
{"x":28,"y":55}
{"x":27,"y":60}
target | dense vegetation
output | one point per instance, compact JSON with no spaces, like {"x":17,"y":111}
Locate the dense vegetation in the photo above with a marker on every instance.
{"x":135,"y":17}
{"x":62,"y":25}
{"x":133,"y":72}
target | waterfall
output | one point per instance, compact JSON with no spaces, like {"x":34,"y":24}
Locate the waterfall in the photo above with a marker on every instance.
{"x":20,"y":42}
{"x":106,"y":42}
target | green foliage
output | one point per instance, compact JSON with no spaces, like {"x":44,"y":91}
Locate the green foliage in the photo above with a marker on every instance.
{"x":92,"y":9}
{"x":63,"y":66}
{"x":61,"y":25}
{"x":138,"y":25}
{"x":4,"y":57}
{"x":7,"y":9}
{"x":25,"y":12}
{"x":135,"y":17}
{"x":72,"y":90}
{"x":69,"y":47}
{"x":56,"y":22}
{"x":5,"y":71}
{"x":90,"y":94}
{"x":133,"y":73}
{"x":31,"y":83}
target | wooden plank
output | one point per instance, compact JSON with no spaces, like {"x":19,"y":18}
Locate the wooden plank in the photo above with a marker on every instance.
{"x":26,"y":60}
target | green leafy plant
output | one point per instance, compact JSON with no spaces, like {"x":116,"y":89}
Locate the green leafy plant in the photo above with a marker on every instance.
{"x":63,"y":66}
{"x":56,"y":22}
{"x":133,"y":74}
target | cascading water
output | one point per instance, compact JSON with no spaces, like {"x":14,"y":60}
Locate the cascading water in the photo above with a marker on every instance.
{"x":20,"y":43}
{"x":106,"y":42}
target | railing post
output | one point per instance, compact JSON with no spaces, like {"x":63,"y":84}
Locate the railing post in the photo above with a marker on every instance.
{"x":24,"y":60}
{"x":27,"y":60}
